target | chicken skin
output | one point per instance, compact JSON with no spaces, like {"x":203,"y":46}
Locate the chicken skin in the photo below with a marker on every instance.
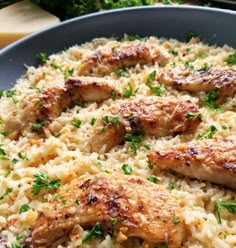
{"x":211,"y":160}
{"x":41,"y":108}
{"x":124,"y":55}
{"x":223,"y":81}
{"x":141,"y":209}
{"x":152,"y":116}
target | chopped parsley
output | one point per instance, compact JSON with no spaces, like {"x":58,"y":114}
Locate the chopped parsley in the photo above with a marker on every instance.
{"x":24,"y":208}
{"x":188,"y":65}
{"x":136,"y":37}
{"x":129,"y":91}
{"x":189,"y":36}
{"x":114,"y":95}
{"x":172,"y":185}
{"x":191,"y":115}
{"x":153,"y":179}
{"x":76,"y":123}
{"x":93,"y":120}
{"x":205,"y":67}
{"x":163,"y":245}
{"x":134,"y":140}
{"x":175,"y":220}
{"x":42,"y":180}
{"x":22,"y":156}
{"x":115,"y":120}
{"x":19,"y":237}
{"x":77,"y":202}
{"x":57,"y":135}
{"x":7,"y":191}
{"x":121,"y":73}
{"x":96,"y":233}
{"x":55,"y":66}
{"x":210,"y":98}
{"x":231,"y":60}
{"x":11,"y":94}
{"x":16,"y":245}
{"x":127,"y":169}
{"x":4,"y":133}
{"x":147,"y":146}
{"x":229,"y":206}
{"x":150,"y":165}
{"x":209,"y":135}
{"x":42,"y":57}
{"x":39,"y":125}
{"x":68,"y":73}
{"x":155,"y":89}
{"x":173,"y":52}
{"x":114,"y":221}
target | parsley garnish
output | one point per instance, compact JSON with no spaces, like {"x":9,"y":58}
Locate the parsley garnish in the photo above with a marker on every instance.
{"x":210,"y":98}
{"x":231,"y":60}
{"x":11,"y":94}
{"x":23,"y":156}
{"x":57,"y":135}
{"x":121,"y":73}
{"x":205,"y":67}
{"x":42,"y":57}
{"x":96,"y":232}
{"x":129,"y":91}
{"x":150,"y":165}
{"x":16,"y":245}
{"x":136,"y":37}
{"x":134,"y":140}
{"x":68,"y":73}
{"x":115,"y":120}
{"x":175,"y":220}
{"x":55,"y":66}
{"x":173,"y":52}
{"x":127,"y":169}
{"x":114,"y":95}
{"x":93,"y":120}
{"x":191,"y":115}
{"x":114,"y":221}
{"x":76,"y":123}
{"x":7,"y":191}
{"x":153,"y":179}
{"x":230,"y":206}
{"x":172,"y":185}
{"x":41,"y":180}
{"x":189,"y":36}
{"x":209,"y":135}
{"x":38,"y":126}
{"x":155,"y":89}
{"x":24,"y":208}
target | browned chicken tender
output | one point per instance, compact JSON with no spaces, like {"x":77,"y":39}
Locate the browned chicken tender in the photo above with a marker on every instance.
{"x":41,"y":108}
{"x":142,"y":209}
{"x":224,"y":80}
{"x":211,"y":160}
{"x":149,"y":116}
{"x":124,"y":55}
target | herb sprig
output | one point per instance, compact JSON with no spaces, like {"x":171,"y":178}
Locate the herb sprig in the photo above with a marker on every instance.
{"x":42,"y":180}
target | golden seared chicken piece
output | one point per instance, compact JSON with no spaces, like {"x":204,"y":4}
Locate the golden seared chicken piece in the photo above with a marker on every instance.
{"x":223,"y":80}
{"x":211,"y":160}
{"x":149,"y":116}
{"x":126,"y":54}
{"x":141,"y":209}
{"x":39,"y":108}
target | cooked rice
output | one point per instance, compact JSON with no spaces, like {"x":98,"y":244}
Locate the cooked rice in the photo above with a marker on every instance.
{"x":67,"y":156}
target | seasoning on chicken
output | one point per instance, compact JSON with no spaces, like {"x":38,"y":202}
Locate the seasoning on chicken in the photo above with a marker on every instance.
{"x":223,"y":80}
{"x":211,"y":160}
{"x":141,"y":208}
{"x":147,"y":115}
{"x":38,"y":109}
{"x":124,"y":55}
